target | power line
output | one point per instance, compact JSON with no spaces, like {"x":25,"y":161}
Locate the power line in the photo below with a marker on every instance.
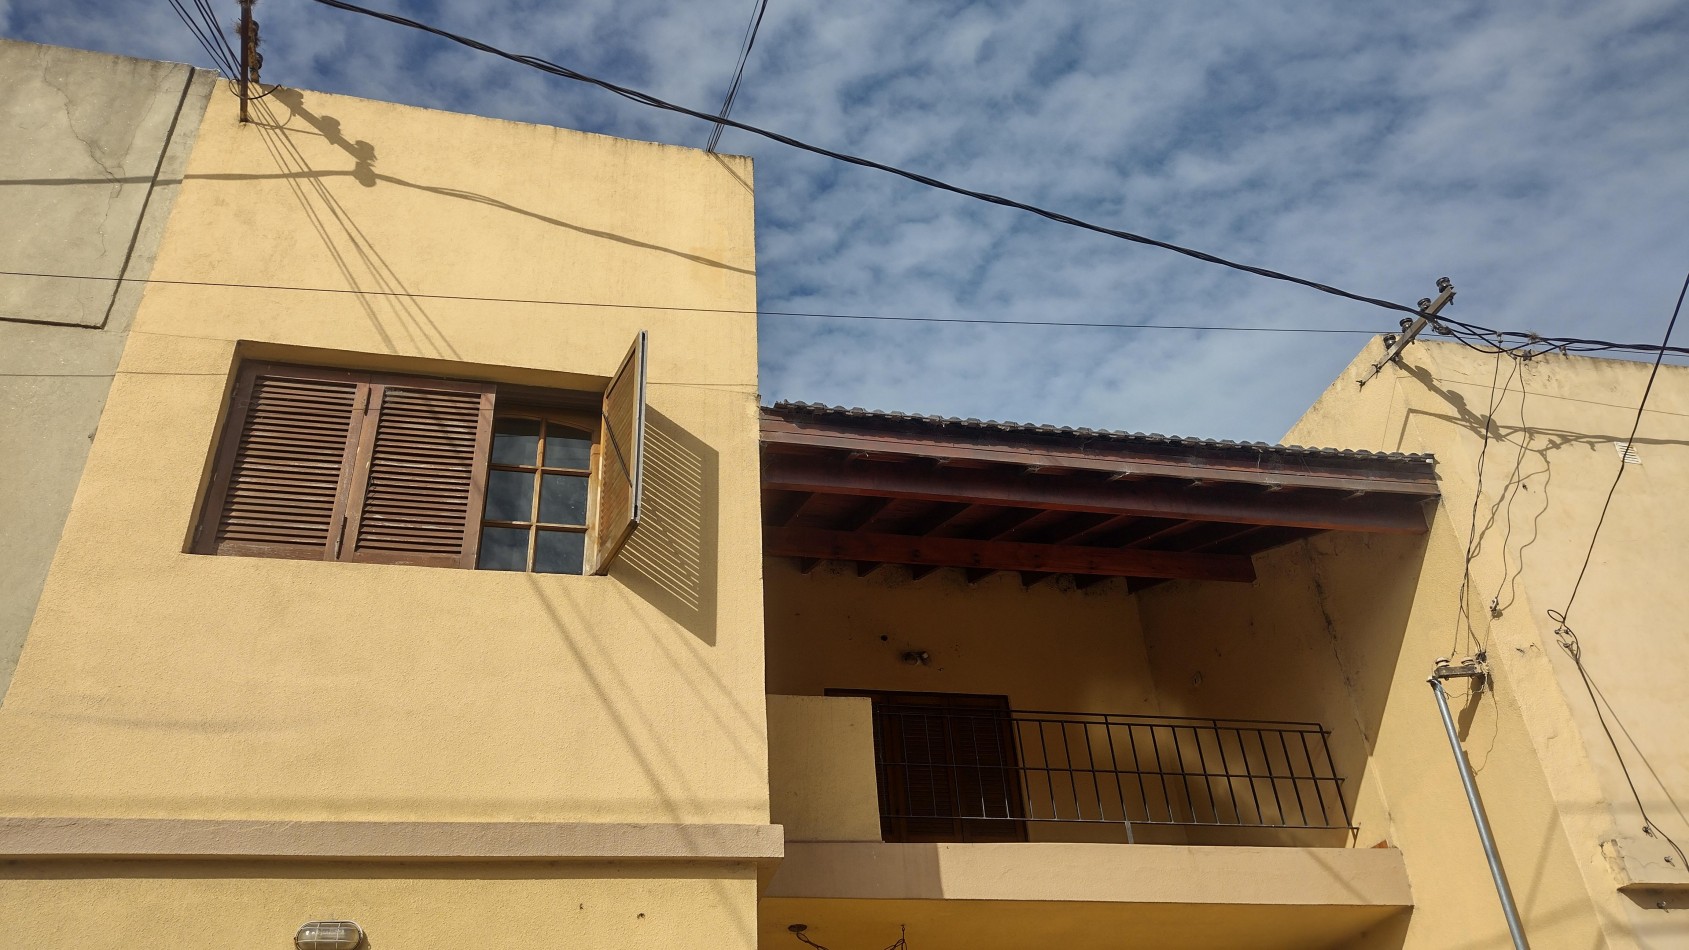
{"x":1568,"y":640}
{"x":198,"y":29}
{"x":750,"y":40}
{"x":975,"y":321}
{"x":652,"y":101}
{"x":1629,"y":441}
{"x":210,"y":19}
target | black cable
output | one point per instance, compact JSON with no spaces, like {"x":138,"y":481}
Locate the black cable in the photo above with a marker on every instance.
{"x":750,"y":40}
{"x":1563,"y":632}
{"x":649,"y":100}
{"x":1574,"y":649}
{"x":1478,"y":337}
{"x":1462,"y":611}
{"x":192,"y":23}
{"x":210,"y":20}
{"x":1566,"y":613}
{"x":636,"y":306}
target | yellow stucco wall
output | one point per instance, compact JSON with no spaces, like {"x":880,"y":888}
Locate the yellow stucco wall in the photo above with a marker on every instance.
{"x":159,"y":683}
{"x":512,"y":906}
{"x":1568,"y":831}
{"x":821,"y":781}
{"x":1043,"y":647}
{"x":1046,"y":648}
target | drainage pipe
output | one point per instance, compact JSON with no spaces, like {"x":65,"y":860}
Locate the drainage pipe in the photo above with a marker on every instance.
{"x":1507,"y":907}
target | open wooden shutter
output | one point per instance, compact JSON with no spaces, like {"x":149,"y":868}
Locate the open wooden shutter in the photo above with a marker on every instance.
{"x":622,"y":450}
{"x":422,"y":464}
{"x":280,"y":483}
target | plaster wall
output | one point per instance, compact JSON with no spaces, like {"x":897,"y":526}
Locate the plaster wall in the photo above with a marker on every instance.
{"x":821,"y":781}
{"x":1569,"y":832}
{"x":1043,"y":647}
{"x":158,"y":683}
{"x":1084,"y":896}
{"x":120,"y":905}
{"x":91,"y":155}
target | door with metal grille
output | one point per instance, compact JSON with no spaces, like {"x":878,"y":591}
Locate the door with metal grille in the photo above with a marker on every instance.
{"x":946,"y":767}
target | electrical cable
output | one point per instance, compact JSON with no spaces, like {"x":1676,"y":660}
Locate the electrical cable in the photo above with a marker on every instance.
{"x":974,"y":321}
{"x":1463,"y":612}
{"x":1566,"y":612}
{"x":1475,"y":336}
{"x":1569,"y":642}
{"x":217,"y":59}
{"x":1567,"y":639}
{"x":652,"y":101}
{"x":749,"y":41}
{"x":210,"y":20}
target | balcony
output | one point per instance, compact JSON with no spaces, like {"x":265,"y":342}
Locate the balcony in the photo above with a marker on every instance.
{"x":980,"y":827}
{"x":972,"y":772}
{"x":930,"y":585}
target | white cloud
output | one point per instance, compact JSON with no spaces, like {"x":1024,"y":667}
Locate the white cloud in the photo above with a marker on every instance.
{"x":1532,"y":151}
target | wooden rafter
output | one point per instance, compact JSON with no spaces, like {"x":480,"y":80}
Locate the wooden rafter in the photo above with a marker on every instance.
{"x":983,"y":487}
{"x":1002,"y":555}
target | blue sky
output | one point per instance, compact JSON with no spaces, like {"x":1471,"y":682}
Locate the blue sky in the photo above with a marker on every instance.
{"x":1535,"y":152}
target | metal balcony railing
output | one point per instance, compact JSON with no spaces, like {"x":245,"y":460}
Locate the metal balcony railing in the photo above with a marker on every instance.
{"x":949,"y":773}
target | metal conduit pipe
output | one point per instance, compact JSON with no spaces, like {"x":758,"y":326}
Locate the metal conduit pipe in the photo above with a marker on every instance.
{"x":1471,"y":671}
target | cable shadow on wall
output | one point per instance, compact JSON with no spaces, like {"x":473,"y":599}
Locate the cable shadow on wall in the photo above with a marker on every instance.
{"x":671,"y":560}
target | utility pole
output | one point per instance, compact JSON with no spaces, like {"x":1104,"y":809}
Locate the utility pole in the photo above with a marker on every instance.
{"x":250,"y":60}
{"x":1428,"y":308}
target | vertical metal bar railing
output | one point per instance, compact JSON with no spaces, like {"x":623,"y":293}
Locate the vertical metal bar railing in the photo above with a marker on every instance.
{"x":983,"y":774}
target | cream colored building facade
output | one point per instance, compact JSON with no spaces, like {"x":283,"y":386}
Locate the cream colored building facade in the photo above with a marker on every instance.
{"x":448,"y":757}
{"x":699,"y":746}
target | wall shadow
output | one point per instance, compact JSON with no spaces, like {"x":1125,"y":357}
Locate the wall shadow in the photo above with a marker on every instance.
{"x":671,"y":559}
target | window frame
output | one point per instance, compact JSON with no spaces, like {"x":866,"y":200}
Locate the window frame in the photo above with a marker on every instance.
{"x":580,"y":421}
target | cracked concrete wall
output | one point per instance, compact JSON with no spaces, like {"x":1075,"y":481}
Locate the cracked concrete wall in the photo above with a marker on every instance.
{"x":92,"y":149}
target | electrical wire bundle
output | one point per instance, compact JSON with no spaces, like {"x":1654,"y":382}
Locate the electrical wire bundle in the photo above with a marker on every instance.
{"x":1525,"y":344}
{"x":202,"y":23}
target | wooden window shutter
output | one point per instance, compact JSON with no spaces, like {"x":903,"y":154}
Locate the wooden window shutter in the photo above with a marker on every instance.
{"x":622,"y":448}
{"x":281,"y":479}
{"x":422,"y":473}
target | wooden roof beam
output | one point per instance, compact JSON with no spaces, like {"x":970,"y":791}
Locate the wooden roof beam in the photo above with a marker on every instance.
{"x":1301,"y":510}
{"x":1003,"y":555}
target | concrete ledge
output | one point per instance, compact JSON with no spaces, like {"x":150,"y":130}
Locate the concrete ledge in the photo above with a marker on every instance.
{"x":383,"y":841}
{"x":1146,"y":874}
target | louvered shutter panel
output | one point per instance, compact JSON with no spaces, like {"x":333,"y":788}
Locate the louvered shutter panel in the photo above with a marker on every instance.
{"x":621,"y":479}
{"x":280,"y":481}
{"x":422,"y":473}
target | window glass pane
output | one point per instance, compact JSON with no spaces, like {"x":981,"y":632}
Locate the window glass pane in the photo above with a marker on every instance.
{"x":516,"y":441}
{"x":563,"y":499}
{"x":510,"y":496}
{"x":503,"y":549}
{"x":559,"y":552}
{"x":567,"y":448}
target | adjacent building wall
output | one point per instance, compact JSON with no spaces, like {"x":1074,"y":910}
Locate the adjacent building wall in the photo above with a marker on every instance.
{"x":91,"y":155}
{"x":1570,"y":833}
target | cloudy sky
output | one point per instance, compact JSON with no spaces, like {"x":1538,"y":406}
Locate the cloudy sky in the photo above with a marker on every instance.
{"x":1537,"y":152}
